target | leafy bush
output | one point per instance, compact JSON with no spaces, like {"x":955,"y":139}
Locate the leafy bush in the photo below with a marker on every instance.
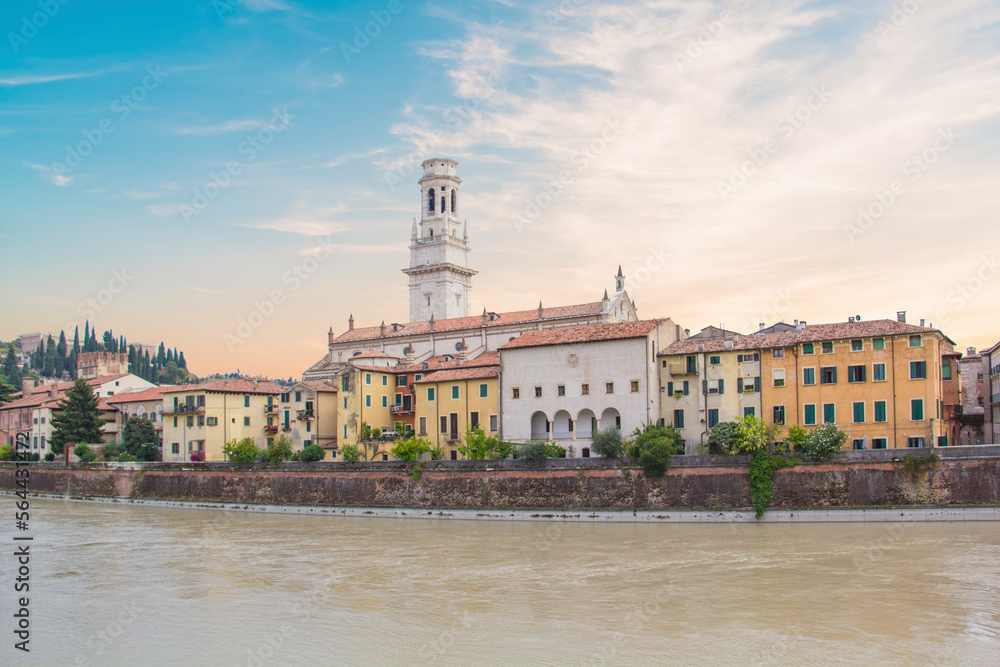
{"x":796,"y":436}
{"x":140,"y":439}
{"x":666,"y":435}
{"x":244,"y":451}
{"x":654,"y":456}
{"x":823,"y":442}
{"x":479,"y":446}
{"x":539,"y":450}
{"x":411,"y":449}
{"x":280,"y":449}
{"x":112,"y":450}
{"x":350,"y":453}
{"x":6,"y":452}
{"x":50,"y":456}
{"x":437,"y":453}
{"x":608,"y":443}
{"x":754,"y":435}
{"x":914,"y":462}
{"x":723,"y":438}
{"x":125,"y":457}
{"x":84,"y":453}
{"x":312,"y":453}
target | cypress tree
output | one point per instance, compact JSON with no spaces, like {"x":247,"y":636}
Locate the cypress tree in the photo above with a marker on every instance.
{"x":77,"y":418}
{"x":74,"y":355}
{"x":5,"y":391}
{"x":61,"y":348}
{"x":49,"y":369}
{"x":10,"y":365}
{"x":182,"y":363}
{"x":161,"y":356}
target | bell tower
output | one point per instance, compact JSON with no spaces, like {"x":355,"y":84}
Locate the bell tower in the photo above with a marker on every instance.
{"x":440,"y":277}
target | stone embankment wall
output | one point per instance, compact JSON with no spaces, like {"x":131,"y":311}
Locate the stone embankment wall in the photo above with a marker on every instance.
{"x":693,"y":483}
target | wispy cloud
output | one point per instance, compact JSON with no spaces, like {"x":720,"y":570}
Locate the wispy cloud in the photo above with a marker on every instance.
{"x":336,"y":162}
{"x":49,"y":174}
{"x":306,"y":220}
{"x":222,"y":128}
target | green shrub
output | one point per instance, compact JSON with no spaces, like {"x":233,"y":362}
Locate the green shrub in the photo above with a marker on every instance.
{"x":437,"y":453}
{"x":312,"y":453}
{"x":608,"y":443}
{"x":754,"y":435}
{"x":914,"y":463}
{"x":797,"y":436}
{"x":350,"y":453}
{"x":280,"y":449}
{"x":539,"y":450}
{"x":654,"y":456}
{"x":125,"y":457}
{"x":411,"y":449}
{"x":762,"y":468}
{"x":112,"y":450}
{"x":6,"y":452}
{"x":84,"y":453}
{"x":823,"y":442}
{"x":723,"y":438}
{"x":244,"y":451}
{"x":668,"y":436}
{"x":479,"y":446}
{"x":50,"y":456}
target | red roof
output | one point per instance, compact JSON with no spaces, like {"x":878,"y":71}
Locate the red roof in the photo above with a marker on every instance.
{"x":464,"y":373}
{"x":588,"y":333}
{"x":151,"y":394}
{"x":229,"y":386}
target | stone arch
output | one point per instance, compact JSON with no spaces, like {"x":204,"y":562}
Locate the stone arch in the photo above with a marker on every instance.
{"x":539,"y":426}
{"x":562,"y":425}
{"x":610,"y":417}
{"x":585,"y":423}
{"x":430,"y":200}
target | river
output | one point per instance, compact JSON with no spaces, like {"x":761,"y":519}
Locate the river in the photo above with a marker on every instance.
{"x":115,"y":584}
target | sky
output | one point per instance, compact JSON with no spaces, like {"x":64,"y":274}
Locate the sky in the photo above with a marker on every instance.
{"x":236,"y":178}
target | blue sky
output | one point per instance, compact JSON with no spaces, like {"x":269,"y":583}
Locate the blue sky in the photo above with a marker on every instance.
{"x":722,"y":153}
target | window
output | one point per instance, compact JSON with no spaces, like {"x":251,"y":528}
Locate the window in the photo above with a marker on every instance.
{"x":918,"y":370}
{"x":585,"y":453}
{"x":515,"y":392}
{"x":246,"y":401}
{"x":878,"y":372}
{"x":829,"y":413}
{"x":880,"y":412}
{"x":430,"y":393}
{"x":493,"y":423}
{"x":916,"y":409}
{"x":859,"y":412}
{"x":400,"y":380}
{"x":713,"y":417}
{"x":585,"y":390}
{"x":692,"y":364}
{"x":747,"y":358}
{"x":201,"y":401}
{"x":714,"y":360}
{"x":246,"y":421}
{"x":175,"y":422}
{"x":946,"y":370}
{"x":633,"y":386}
{"x":309,"y":429}
{"x":385,"y":382}
{"x":561,"y":390}
{"x":213,"y":421}
{"x":444,"y":424}
{"x":430,"y":200}
{"x":828,"y":348}
{"x":344,"y":384}
{"x":749,"y":412}
{"x":778,"y":377}
{"x":474,"y":419}
{"x":828,"y":375}
{"x":778,"y":413}
{"x":368,"y":400}
{"x":298,"y":397}
{"x":190,"y":421}
{"x":538,"y":392}
{"x":778,"y":353}
{"x":856,"y":373}
{"x":201,"y":420}
{"x":878,"y":344}
{"x":385,"y":401}
{"x":609,"y":388}
{"x":857,"y":345}
{"x":345,"y":402}
{"x":175,"y":448}
{"x":916,"y":341}
{"x":454,"y":391}
{"x":880,"y":443}
{"x":678,"y":419}
{"x":368,"y":378}
{"x":808,"y":348}
{"x":748,"y":385}
{"x":915,"y":442}
{"x":422,"y":424}
{"x":808,"y":376}
{"x":713,"y":386}
{"x":399,"y":399}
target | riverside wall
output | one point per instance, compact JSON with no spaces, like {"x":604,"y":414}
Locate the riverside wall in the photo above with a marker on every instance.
{"x":703,"y":483}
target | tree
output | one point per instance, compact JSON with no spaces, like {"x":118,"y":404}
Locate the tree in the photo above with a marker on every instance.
{"x":10,"y":365}
{"x":181,"y":362}
{"x":61,"y":349}
{"x":479,"y":446}
{"x":755,"y":435}
{"x":280,"y":449}
{"x":84,"y":453}
{"x":823,"y":442}
{"x":654,"y":456}
{"x":608,"y":443}
{"x":112,"y":450}
{"x":49,"y":369}
{"x":411,"y":449}
{"x":244,"y":451}
{"x":668,"y":436}
{"x":312,"y":453}
{"x":77,"y":418}
{"x":6,"y":452}
{"x":75,"y":354}
{"x":140,"y":439}
{"x":350,"y":453}
{"x":723,"y":438}
{"x":5,"y":391}
{"x":796,"y":436}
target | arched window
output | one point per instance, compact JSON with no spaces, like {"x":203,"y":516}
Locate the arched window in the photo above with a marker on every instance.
{"x":454,"y":208}
{"x":430,"y":200}
{"x":442,"y":203}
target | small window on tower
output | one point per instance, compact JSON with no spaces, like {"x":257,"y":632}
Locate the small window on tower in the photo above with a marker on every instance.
{"x":430,"y":200}
{"x":453,"y":206}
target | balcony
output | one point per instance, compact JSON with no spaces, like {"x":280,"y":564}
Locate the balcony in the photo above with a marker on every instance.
{"x":400,"y":409}
{"x":683,"y":369}
{"x":184,"y":409}
{"x":271,"y":409}
{"x":304,"y":415}
{"x":271,"y":429}
{"x":286,"y":427}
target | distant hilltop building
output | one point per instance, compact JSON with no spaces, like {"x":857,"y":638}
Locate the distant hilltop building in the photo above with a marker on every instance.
{"x":91,"y":365}
{"x":440,"y":285}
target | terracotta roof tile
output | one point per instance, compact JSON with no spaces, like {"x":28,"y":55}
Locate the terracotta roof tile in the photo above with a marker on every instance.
{"x":151,"y":394}
{"x":229,"y":386}
{"x":583,"y":334}
{"x":464,"y":373}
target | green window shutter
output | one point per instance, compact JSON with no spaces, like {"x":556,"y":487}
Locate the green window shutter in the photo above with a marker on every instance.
{"x":739,"y":384}
{"x":878,"y":343}
{"x":859,"y":413}
{"x":829,"y":413}
{"x":756,"y":383}
{"x":713,"y":417}
{"x":721,"y":387}
{"x":670,"y":388}
{"x":809,"y":416}
{"x":484,"y":391}
{"x":880,"y":415}
{"x":808,"y":376}
{"x":808,"y":348}
{"x":687,"y":388}
{"x":430,"y":393}
{"x":454,"y":391}
{"x":917,"y":409}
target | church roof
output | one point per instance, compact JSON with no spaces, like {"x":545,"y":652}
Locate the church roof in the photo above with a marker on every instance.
{"x":462,"y":373}
{"x":588,"y":333}
{"x":473,"y":322}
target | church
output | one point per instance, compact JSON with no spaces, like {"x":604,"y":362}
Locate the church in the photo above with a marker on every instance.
{"x":440,"y":284}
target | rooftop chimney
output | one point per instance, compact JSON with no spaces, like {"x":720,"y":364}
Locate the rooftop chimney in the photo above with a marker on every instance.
{"x":329,"y":335}
{"x":541,"y":311}
{"x":970,"y":351}
{"x":800,"y":325}
{"x":27,"y":386}
{"x":728,"y":343}
{"x":484,"y":316}
{"x":430,"y":322}
{"x":760,"y":327}
{"x":901,"y":316}
{"x":921,"y":321}
{"x":851,"y":318}
{"x":350,"y":322}
{"x":687,"y":333}
{"x":53,"y":390}
{"x":463,"y":352}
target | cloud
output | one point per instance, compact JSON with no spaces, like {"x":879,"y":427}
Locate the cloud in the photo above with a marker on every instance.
{"x":49,"y":174}
{"x":222,"y":128}
{"x":27,"y":80}
{"x":336,"y":162}
{"x":305,"y":220}
{"x":164,"y":210}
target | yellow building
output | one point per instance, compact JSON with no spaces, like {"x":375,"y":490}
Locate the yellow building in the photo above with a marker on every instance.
{"x":366,"y":394}
{"x":879,"y":381}
{"x":449,"y":401}
{"x":306,"y":413}
{"x":203,"y":417}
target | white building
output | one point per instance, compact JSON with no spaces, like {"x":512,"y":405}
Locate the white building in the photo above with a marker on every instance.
{"x":440,"y":285}
{"x":565,"y":384}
